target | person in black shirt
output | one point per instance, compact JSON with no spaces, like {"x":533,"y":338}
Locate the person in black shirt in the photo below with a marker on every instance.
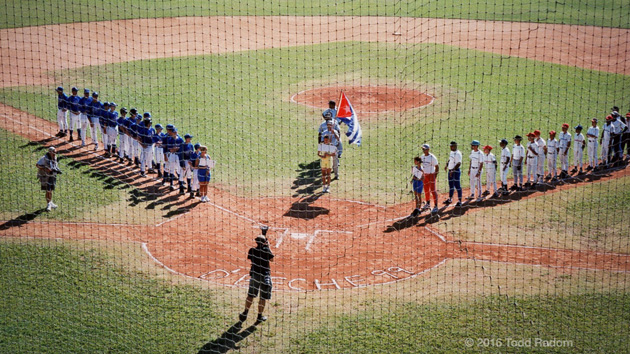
{"x":260,"y":274}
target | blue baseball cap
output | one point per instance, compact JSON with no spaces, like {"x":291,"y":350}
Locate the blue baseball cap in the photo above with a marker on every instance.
{"x":158,"y":126}
{"x":170,"y":127}
{"x":146,"y":115}
{"x":578,"y":127}
{"x":113,"y":104}
{"x":475,"y":143}
{"x":426,"y":146}
{"x":94,"y":94}
{"x":74,"y":89}
{"x":105,"y":104}
{"x":174,"y":129}
{"x":197,"y":146}
{"x":188,"y":136}
{"x":60,"y":88}
{"x":87,"y":90}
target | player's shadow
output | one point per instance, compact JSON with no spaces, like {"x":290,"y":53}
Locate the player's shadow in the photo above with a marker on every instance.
{"x":228,"y":340}
{"x":309,"y":178}
{"x":302,"y":208}
{"x":21,"y":220}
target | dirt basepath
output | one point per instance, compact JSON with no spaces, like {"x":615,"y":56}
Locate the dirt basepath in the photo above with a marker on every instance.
{"x":320,"y":242}
{"x":26,"y":54}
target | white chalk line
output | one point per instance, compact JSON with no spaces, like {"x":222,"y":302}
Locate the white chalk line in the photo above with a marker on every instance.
{"x":543,"y":265}
{"x":442,"y":238}
{"x":462,"y":242}
{"x":382,"y":221}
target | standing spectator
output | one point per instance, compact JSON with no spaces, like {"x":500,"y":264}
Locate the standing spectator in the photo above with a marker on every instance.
{"x":203,"y":164}
{"x":62,"y":112}
{"x":260,"y":274}
{"x":506,"y":158}
{"x":578,"y":149}
{"x":592,"y":134}
{"x":490,"y":164}
{"x":474,"y":170}
{"x":47,"y":171}
{"x":518,"y":154}
{"x":325,"y":151}
{"x":564,"y":143}
{"x":531,"y":160}
{"x":552,"y":156}
{"x":453,"y":168}
{"x":431,"y":168}
{"x":417,"y":176}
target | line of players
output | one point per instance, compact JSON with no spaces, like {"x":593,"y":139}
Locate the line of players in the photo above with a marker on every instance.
{"x":614,"y":137}
{"x":150,"y":148}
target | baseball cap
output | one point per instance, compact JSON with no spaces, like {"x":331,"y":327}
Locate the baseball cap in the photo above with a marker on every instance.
{"x":105,"y":104}
{"x":327,"y":114}
{"x":52,"y":149}
{"x":531,"y":134}
{"x":615,"y":108}
{"x":261,"y":239}
{"x":174,"y":129}
{"x":487,"y":147}
{"x":133,"y":110}
{"x":594,"y":120}
{"x":552,"y":132}
{"x":74,"y":89}
{"x":628,"y":115}
{"x":87,"y":90}
{"x":426,"y":146}
{"x":188,"y":136}
{"x":503,"y":141}
{"x":146,"y":115}
{"x":332,"y":102}
{"x":609,"y":117}
{"x":158,"y":126}
{"x":565,"y":125}
{"x":475,"y":143}
{"x":113,"y":104}
{"x":197,"y":146}
{"x":578,"y":127}
{"x":453,"y":143}
{"x":170,"y":127}
{"x":536,"y":132}
{"x":123,"y":110}
{"x":60,"y":88}
{"x":518,"y":137}
{"x":94,"y":94}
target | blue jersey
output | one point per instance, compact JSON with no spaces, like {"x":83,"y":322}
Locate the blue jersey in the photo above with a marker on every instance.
{"x":103,"y":115}
{"x":121,"y":124}
{"x":185,"y":151}
{"x":84,"y":104}
{"x":146,"y":135}
{"x":95,"y":109}
{"x":73,"y":103}
{"x":160,"y":138}
{"x":194,"y":156}
{"x":62,"y":101}
{"x":173,"y":143}
{"x":113,"y":119}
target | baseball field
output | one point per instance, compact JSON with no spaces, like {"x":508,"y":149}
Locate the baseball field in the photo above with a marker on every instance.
{"x":124,"y":264}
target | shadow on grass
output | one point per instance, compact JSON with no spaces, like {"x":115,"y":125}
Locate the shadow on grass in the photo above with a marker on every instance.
{"x":22,"y":219}
{"x":228,"y":340}
{"x":309,"y":178}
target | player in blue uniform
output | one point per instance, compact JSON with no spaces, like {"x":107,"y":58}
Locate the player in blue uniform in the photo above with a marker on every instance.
{"x":171,"y":147}
{"x":160,"y":136}
{"x":62,"y":112}
{"x":75,"y":112}
{"x":132,"y":128}
{"x":195,"y":177}
{"x":122,"y":135}
{"x":185,"y":152}
{"x":104,"y":122}
{"x":84,"y":105}
{"x":146,"y":136}
{"x":112,"y":129}
{"x":94,"y":113}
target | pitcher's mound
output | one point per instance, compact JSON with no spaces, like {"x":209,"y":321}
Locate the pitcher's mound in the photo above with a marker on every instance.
{"x":366,"y":99}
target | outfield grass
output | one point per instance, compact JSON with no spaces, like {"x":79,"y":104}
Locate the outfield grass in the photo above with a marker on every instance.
{"x":239,"y":105}
{"x":592,"y":323}
{"x":591,"y":216}
{"x":608,"y":13}
{"x":57,"y":299}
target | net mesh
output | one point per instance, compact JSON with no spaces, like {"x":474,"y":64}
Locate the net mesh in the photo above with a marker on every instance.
{"x":134,"y":247}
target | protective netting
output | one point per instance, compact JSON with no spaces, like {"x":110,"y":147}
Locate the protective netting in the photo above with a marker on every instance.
{"x":120,"y":235}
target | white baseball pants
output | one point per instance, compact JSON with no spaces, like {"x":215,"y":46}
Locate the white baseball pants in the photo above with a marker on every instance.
{"x":75,"y":121}
{"x":146,"y":157}
{"x":592,"y":152}
{"x":552,"y":160}
{"x":62,"y":119}
{"x":475,"y":181}
{"x":577,"y":157}
{"x":564,"y":160}
{"x":491,"y":179}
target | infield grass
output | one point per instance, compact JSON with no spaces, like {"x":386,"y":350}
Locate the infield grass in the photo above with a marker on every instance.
{"x":238,"y":104}
{"x":607,"y":13}
{"x":591,"y":216}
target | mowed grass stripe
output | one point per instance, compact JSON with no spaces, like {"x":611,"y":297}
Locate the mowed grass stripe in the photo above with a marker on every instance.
{"x":606,"y":13}
{"x":238,"y":104}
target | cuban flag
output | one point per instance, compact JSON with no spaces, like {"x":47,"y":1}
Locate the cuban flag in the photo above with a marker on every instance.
{"x":346,"y":115}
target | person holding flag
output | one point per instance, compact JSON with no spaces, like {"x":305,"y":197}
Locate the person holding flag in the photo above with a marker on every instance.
{"x":347,"y":115}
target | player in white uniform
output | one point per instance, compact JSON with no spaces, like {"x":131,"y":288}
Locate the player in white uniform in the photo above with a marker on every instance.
{"x":531,"y":160}
{"x":592,"y":134}
{"x":564,"y":143}
{"x":326,"y":151}
{"x":604,"y":141}
{"x":474,"y":170}
{"x":490,"y":165}
{"x":540,"y":159}
{"x":552,"y":156}
{"x":578,"y":149}
{"x":518,"y":154}
{"x":506,"y":157}
{"x":431,"y":168}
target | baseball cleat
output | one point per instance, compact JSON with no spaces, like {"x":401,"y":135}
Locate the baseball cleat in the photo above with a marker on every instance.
{"x":48,"y":207}
{"x":53,"y":205}
{"x":241,"y":316}
{"x":415,"y":212}
{"x":494,"y":195}
{"x":485,"y":193}
{"x":261,"y":318}
{"x":142,"y":174}
{"x":448,"y":201}
{"x":459,"y":203}
{"x":435,"y":210}
{"x":426,"y":206}
{"x":470,"y":197}
{"x":173,"y":188}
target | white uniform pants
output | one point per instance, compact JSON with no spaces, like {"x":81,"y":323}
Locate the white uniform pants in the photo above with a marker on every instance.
{"x":532,"y":168}
{"x":195,"y":180}
{"x":577,"y":157}
{"x":592,"y":152}
{"x":173,"y":164}
{"x":146,"y":157}
{"x":159,"y":155}
{"x":540,"y":167}
{"x":85,"y":125}
{"x":552,"y":160}
{"x":62,"y":119}
{"x":75,"y":121}
{"x":104,"y":136}
{"x":135,"y":147}
{"x":504,"y":174}
{"x":112,"y":133}
{"x":122,"y":145}
{"x":95,"y":127}
{"x":475,"y":181}
{"x":491,"y":179}
{"x":605,"y":150}
{"x":186,"y":172}
{"x":564,"y":160}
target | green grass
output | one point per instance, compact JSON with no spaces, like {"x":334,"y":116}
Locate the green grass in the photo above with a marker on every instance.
{"x":592,"y":323}
{"x":608,"y":13}
{"x":79,"y":189}
{"x":238,"y":105}
{"x":585,"y":217}
{"x":57,"y":299}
